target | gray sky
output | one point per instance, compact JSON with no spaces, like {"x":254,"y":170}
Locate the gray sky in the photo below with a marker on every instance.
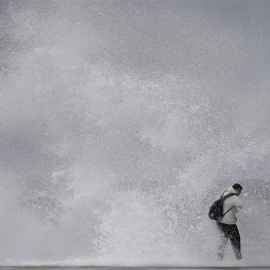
{"x":200,"y":38}
{"x":221,"y":46}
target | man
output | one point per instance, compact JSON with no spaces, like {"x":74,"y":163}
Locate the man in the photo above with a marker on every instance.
{"x":227,"y":226}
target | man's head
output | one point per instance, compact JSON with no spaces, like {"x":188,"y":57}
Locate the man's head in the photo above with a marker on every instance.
{"x":238,"y":188}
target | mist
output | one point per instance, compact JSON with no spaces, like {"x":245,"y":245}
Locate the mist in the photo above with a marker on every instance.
{"x":122,"y":121}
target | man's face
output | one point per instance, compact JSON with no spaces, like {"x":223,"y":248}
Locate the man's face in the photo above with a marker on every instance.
{"x":238,"y":191}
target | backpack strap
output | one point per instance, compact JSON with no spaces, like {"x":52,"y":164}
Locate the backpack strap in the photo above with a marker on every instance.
{"x":226,"y":197}
{"x":228,"y":211}
{"x":222,"y":194}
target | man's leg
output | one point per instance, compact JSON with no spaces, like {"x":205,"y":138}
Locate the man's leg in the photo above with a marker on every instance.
{"x":234,"y":237}
{"x":223,"y":240}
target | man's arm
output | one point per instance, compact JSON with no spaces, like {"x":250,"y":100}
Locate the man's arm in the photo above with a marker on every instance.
{"x":237,"y":202}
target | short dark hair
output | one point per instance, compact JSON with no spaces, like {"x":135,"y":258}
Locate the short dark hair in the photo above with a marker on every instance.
{"x":237,"y":186}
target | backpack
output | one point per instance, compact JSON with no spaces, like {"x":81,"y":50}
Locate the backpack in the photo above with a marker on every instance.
{"x":216,"y":209}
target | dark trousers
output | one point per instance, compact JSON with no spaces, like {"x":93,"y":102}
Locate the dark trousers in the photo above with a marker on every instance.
{"x":229,"y":231}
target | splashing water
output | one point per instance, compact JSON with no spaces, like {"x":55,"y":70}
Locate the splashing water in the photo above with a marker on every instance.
{"x":121,"y":122}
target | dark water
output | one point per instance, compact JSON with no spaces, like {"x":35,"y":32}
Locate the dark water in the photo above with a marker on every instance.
{"x":126,"y":268}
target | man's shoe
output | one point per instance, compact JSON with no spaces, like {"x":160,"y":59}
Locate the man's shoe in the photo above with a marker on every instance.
{"x":220,"y":256}
{"x":238,"y":256}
